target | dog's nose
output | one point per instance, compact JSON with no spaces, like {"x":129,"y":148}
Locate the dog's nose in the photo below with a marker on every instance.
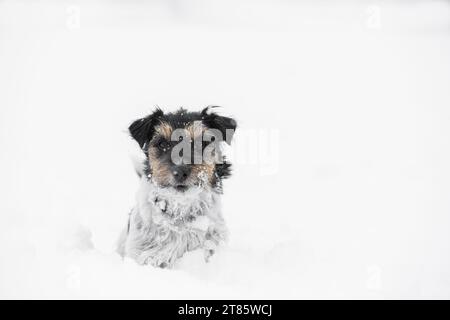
{"x":181,"y":173}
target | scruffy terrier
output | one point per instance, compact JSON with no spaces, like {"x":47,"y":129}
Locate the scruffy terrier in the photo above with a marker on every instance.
{"x":178,"y":207}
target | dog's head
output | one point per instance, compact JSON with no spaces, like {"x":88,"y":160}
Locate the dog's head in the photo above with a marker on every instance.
{"x":183,"y":148}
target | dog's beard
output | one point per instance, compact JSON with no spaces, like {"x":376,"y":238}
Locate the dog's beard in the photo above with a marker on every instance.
{"x":190,"y":191}
{"x":200,"y":181}
{"x":179,"y":207}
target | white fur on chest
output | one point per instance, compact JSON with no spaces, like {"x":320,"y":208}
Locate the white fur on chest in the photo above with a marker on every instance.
{"x":194,"y":208}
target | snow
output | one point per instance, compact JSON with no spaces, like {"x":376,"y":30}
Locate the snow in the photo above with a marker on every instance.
{"x":341,"y":177}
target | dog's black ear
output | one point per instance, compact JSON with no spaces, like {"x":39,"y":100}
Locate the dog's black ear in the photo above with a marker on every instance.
{"x":225,"y":125}
{"x":142,"y":130}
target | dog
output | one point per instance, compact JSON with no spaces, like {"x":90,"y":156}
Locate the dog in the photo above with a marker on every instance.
{"x":178,"y":202}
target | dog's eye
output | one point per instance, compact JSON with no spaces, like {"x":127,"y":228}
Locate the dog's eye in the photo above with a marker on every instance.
{"x":163,"y":145}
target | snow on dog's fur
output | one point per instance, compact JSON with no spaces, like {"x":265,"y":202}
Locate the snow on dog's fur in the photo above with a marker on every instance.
{"x":178,"y":204}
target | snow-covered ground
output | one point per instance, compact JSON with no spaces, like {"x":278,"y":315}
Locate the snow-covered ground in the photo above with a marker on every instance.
{"x":341,"y":187}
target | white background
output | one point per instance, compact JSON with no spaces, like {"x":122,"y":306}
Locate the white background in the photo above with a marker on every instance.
{"x":349,"y":200}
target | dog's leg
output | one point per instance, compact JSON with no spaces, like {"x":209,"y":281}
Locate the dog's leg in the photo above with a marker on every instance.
{"x":215,"y":235}
{"x":122,"y":241}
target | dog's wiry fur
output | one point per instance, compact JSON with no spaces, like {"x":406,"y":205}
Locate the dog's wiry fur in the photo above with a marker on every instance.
{"x":174,"y":214}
